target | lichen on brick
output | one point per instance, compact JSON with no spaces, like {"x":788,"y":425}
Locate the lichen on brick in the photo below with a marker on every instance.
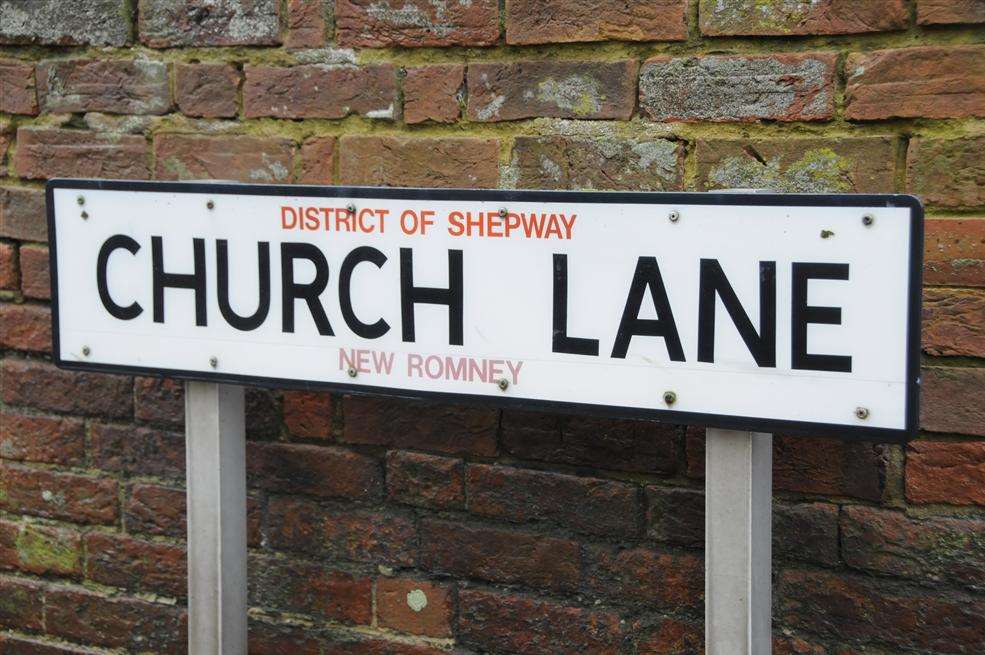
{"x":576,"y":93}
{"x":819,"y":170}
{"x":42,"y":550}
{"x":51,"y":22}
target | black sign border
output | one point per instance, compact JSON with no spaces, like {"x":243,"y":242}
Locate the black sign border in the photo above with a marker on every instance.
{"x":804,"y":428}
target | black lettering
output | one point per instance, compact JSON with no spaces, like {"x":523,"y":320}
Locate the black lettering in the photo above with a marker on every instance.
{"x":194,"y":281}
{"x":561,"y":342}
{"x":291,"y":291}
{"x":452,"y":296}
{"x":357,"y":256}
{"x":713,"y":282}
{"x":648,"y":276}
{"x":243,"y":323}
{"x":803,"y":314}
{"x":116,"y":242}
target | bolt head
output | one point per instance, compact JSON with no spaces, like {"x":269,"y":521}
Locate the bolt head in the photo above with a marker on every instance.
{"x":85,"y":216}
{"x":670,"y":397}
{"x":674,"y":216}
{"x":351,"y":209}
{"x":81,"y":200}
{"x":352,"y":372}
{"x":214,"y":362}
{"x":503,"y":384}
{"x":503,"y":213}
{"x":868,"y":220}
{"x":861,"y":413}
{"x":210,"y":204}
{"x":86,"y":351}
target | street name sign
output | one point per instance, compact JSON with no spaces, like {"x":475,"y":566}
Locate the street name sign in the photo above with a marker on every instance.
{"x":773,"y":313}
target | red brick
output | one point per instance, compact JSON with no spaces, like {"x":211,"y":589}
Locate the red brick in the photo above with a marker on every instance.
{"x":566,"y":21}
{"x":434,"y":93}
{"x":318,"y":161}
{"x":643,"y":576}
{"x":457,"y":162}
{"x":516,"y":624}
{"x":351,"y":645}
{"x":66,"y":496}
{"x":670,"y":637}
{"x":306,"y":23}
{"x":42,"y":386}
{"x":414,"y":606}
{"x":10,"y":277}
{"x":947,"y":12}
{"x":137,"y":451}
{"x":839,"y":165}
{"x":18,"y":94}
{"x":583,"y":504}
{"x":940,"y":82}
{"x":497,"y":555}
{"x":308,"y":414}
{"x":22,"y":214}
{"x":952,"y":322}
{"x":116,"y":622}
{"x":951,"y":400}
{"x":947,"y":472}
{"x":425,"y":480}
{"x":155,"y":510}
{"x":934,"y":550}
{"x":675,"y":516}
{"x":351,"y":534}
{"x":316,"y":91}
{"x":27,"y":646}
{"x":6,"y":139}
{"x":21,"y":605}
{"x":717,"y":88}
{"x":634,"y":446}
{"x":776,"y":18}
{"x":49,"y":152}
{"x":314,"y":470}
{"x":120,"y":561}
{"x":264,"y":160}
{"x":415,"y":23}
{"x":954,"y":252}
{"x":270,"y":639}
{"x":806,"y":531}
{"x":35,"y":278}
{"x":504,"y":91}
{"x":40,"y":549}
{"x":947,"y":172}
{"x":207,"y":90}
{"x":159,"y":400}
{"x":308,"y":588}
{"x":793,"y":645}
{"x":25,"y":327}
{"x":174,"y":23}
{"x":446,"y":429}
{"x":868,"y":610}
{"x":47,"y":439}
{"x":116,"y":86}
{"x":812,"y":466}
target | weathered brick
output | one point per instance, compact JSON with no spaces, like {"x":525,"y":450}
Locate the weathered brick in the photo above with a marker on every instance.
{"x":948,"y":172}
{"x":840,"y":165}
{"x":48,"y":439}
{"x":280,"y":639}
{"x":314,"y":470}
{"x":156,"y":510}
{"x":159,"y":400}
{"x":21,"y":604}
{"x":951,"y":400}
{"x":433,"y":93}
{"x":175,"y":23}
{"x":48,"y":152}
{"x":25,"y":327}
{"x":137,"y":451}
{"x":427,"y":162}
{"x":806,"y":531}
{"x":306,"y":23}
{"x":425,"y":480}
{"x":566,"y":21}
{"x":939,"y":82}
{"x":945,"y":472}
{"x":635,"y":446}
{"x":952,"y":324}
{"x":42,"y":386}
{"x":117,"y":86}
{"x":116,"y":622}
{"x":675,"y":516}
{"x":10,"y":275}
{"x":18,"y":93}
{"x":673,"y":637}
{"x":868,"y":610}
{"x":317,"y":91}
{"x":560,"y":89}
{"x":349,"y":644}
{"x":308,"y":414}
{"x":514,"y":624}
{"x":240,"y":158}
{"x":35,"y":279}
{"x":414,"y":23}
{"x":497,"y":555}
{"x":40,"y":549}
{"x":947,"y":12}
{"x":834,"y":468}
{"x":753,"y":17}
{"x":642,"y":576}
{"x":94,"y":22}
{"x":717,"y":88}
{"x":934,"y":550}
{"x":22,"y":214}
{"x":120,"y":561}
{"x":309,"y":588}
{"x":28,"y":646}
{"x":425,"y":426}
{"x":583,"y":504}
{"x":604,"y":163}
{"x":318,"y":161}
{"x":954,"y":252}
{"x":207,"y":90}
{"x":415,"y":606}
{"x":66,"y":496}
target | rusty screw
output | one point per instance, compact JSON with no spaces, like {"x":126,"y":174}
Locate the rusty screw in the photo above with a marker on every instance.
{"x":670,"y":397}
{"x":868,"y":220}
{"x":85,"y":351}
{"x":861,"y":413}
{"x":503,"y":384}
{"x":210,"y":204}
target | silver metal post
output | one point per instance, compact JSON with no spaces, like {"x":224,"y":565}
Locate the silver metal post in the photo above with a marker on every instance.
{"x":738,"y":542}
{"x":216,"y":487}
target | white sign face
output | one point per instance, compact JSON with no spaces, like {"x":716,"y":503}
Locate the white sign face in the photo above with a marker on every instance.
{"x":760,"y":312}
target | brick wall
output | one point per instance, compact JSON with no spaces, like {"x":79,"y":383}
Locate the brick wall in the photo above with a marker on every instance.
{"x":383,"y":527}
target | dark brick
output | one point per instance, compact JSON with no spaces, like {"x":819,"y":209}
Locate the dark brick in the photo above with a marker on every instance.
{"x":156,"y":510}
{"x":314,"y":470}
{"x":806,"y":531}
{"x":21,"y":605}
{"x":675,"y":516}
{"x":137,"y":451}
{"x":308,"y":414}
{"x":120,"y":561}
{"x":951,"y":400}
{"x":65,"y":496}
{"x":159,"y":400}
{"x":42,"y":386}
{"x":48,"y":439}
{"x":309,"y":588}
{"x":414,"y":606}
{"x":425,"y":480}
{"x":270,"y":639}
{"x":647,"y":577}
